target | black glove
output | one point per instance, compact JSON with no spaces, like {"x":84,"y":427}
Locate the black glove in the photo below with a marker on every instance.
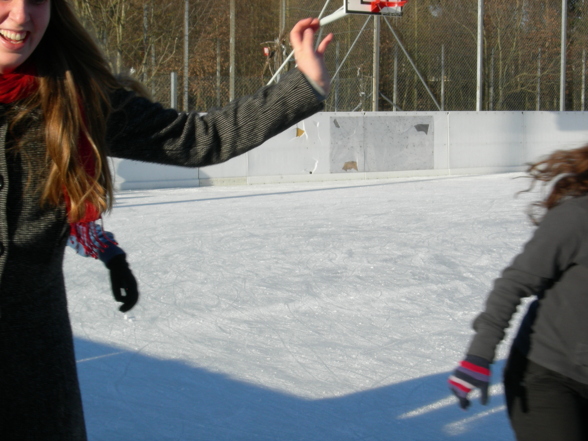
{"x":123,"y":283}
{"x":472,"y":373}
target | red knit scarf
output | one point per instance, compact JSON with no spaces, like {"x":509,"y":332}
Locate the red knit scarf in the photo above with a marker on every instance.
{"x":20,"y":84}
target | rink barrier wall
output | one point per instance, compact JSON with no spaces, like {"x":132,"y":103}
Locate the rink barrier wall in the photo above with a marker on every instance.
{"x":375,"y":145}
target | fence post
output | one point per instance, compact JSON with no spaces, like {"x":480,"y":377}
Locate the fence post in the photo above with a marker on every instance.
{"x":442,"y":77}
{"x":491,"y":91}
{"x":538,"y":107}
{"x":337,"y":49}
{"x":218,"y":72}
{"x":376,"y":63}
{"x":174,"y":90}
{"x":186,"y":51}
{"x":562,"y":80}
{"x":583,"y":79}
{"x":232,"y":19}
{"x":395,"y":84}
{"x":480,"y":50}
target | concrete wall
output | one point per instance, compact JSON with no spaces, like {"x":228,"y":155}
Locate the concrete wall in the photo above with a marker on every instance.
{"x":352,"y":145}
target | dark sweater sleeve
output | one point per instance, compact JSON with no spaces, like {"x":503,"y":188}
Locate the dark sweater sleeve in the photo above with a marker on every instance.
{"x":141,"y":130}
{"x":553,"y":248}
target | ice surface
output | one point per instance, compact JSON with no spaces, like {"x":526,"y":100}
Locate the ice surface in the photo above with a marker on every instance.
{"x":314,"y":311}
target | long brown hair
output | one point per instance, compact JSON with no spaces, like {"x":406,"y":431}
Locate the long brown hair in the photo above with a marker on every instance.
{"x":567,"y":173}
{"x":74,"y":84}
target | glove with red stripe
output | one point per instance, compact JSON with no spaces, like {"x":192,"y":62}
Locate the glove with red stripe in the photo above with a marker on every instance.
{"x":473,"y":372}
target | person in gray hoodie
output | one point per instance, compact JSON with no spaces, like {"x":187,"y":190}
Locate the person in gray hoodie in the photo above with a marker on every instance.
{"x":546,"y":375}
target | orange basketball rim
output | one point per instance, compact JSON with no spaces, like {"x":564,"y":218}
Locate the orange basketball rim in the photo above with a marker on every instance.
{"x":378,"y":5}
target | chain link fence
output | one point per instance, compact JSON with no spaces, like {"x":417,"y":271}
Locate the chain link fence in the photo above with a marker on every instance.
{"x":204,"y":93}
{"x":426,"y":60}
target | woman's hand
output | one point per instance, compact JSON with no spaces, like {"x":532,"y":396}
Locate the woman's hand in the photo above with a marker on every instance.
{"x":310,"y":62}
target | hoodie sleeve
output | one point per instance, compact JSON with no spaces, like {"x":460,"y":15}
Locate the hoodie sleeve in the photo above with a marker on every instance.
{"x":554,"y":247}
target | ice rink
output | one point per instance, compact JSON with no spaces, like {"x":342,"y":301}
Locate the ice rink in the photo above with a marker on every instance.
{"x":314,"y":311}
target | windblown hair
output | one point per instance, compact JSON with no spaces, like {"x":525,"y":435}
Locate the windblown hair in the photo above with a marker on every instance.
{"x":567,"y":173}
{"x":74,"y":85}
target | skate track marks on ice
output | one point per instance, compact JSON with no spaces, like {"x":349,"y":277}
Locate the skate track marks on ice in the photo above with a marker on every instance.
{"x":331,"y":311}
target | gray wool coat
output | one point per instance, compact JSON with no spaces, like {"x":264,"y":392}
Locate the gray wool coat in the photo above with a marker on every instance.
{"x":39,"y":391}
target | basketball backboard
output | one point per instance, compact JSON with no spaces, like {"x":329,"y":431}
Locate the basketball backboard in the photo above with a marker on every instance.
{"x":375,"y":7}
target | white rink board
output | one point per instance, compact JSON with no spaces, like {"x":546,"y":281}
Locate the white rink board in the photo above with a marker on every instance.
{"x":421,"y":144}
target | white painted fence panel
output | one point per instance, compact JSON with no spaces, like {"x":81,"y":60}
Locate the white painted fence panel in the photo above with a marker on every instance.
{"x":354,"y":145}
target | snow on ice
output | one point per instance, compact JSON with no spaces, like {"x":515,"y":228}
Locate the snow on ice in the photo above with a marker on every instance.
{"x":313,"y":311}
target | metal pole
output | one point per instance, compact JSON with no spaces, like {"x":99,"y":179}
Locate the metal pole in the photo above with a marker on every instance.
{"x":562,"y":79}
{"x":320,"y":34}
{"x":428,"y":89}
{"x":538,"y":106}
{"x":218,"y":72}
{"x":395,"y":89}
{"x":145,"y":41}
{"x":351,"y":48}
{"x":584,"y":79}
{"x":336,"y":81}
{"x":442,"y":77}
{"x":232,"y":51}
{"x":324,"y":9}
{"x":281,"y":34}
{"x":376,"y":63}
{"x":480,"y":54}
{"x":394,"y":105}
{"x":174,"y":90}
{"x":152,"y":59}
{"x":186,"y":50}
{"x":283,"y":16}
{"x":491,"y":97}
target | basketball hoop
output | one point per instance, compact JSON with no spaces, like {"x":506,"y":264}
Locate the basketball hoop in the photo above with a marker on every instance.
{"x":393,"y":9}
{"x":368,"y":7}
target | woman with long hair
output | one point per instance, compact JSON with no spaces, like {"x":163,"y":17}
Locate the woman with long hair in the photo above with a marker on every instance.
{"x":62,"y":112}
{"x":546,"y":375}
